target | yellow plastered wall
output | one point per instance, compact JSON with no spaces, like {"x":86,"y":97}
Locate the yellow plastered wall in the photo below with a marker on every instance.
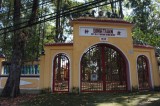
{"x":82,"y":43}
{"x":1,"y":59}
{"x":46,"y":75}
{"x":42,"y":72}
{"x":153,"y":66}
{"x":33,"y":83}
{"x":27,"y":82}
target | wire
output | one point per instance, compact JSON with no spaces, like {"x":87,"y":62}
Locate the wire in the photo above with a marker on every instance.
{"x":53,"y":16}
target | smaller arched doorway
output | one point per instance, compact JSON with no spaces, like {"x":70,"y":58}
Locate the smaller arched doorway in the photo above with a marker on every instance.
{"x":143,"y":73}
{"x":61,"y":73}
{"x":103,"y":69}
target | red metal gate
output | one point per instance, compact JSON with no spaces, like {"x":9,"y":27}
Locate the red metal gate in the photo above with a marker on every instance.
{"x":61,"y":73}
{"x":143,"y":73}
{"x":103,"y":68}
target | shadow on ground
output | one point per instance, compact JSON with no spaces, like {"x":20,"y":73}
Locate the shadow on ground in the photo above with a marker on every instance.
{"x":96,"y":99}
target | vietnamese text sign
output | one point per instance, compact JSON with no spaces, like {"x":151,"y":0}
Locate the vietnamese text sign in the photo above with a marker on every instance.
{"x":99,"y":31}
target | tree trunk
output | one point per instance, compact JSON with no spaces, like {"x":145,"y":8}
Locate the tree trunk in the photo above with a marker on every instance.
{"x":120,"y":9}
{"x":34,"y":11}
{"x":112,"y":6}
{"x":0,"y":4}
{"x":11,"y":88}
{"x":57,"y":32}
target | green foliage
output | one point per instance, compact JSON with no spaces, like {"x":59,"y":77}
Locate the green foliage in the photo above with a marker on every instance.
{"x":5,"y":45}
{"x":31,"y":35}
{"x":62,"y":26}
{"x":146,"y":38}
{"x":145,"y":16}
{"x":49,"y":33}
{"x":141,"y":11}
{"x":32,"y":46}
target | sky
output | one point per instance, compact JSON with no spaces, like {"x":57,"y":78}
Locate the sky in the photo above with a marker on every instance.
{"x":80,"y":0}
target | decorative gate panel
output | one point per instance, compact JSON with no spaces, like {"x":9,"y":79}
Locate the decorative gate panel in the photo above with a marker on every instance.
{"x":115,"y":70}
{"x":61,"y":73}
{"x":103,"y":68}
{"x":143,"y":73}
{"x":91,"y":70}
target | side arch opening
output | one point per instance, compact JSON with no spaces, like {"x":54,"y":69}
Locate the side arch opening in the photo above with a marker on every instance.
{"x":143,"y":73}
{"x":61,"y":70}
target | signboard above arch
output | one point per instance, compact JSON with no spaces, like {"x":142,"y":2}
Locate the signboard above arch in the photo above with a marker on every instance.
{"x":101,"y":31}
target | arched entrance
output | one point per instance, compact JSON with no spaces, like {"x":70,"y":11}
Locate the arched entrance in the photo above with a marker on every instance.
{"x":143,"y":73}
{"x":103,"y":68}
{"x":61,"y":73}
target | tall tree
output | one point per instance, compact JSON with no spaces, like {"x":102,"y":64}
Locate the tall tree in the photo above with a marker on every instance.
{"x":0,"y":4}
{"x":62,"y":23}
{"x":19,"y":39}
{"x":57,"y":30}
{"x":34,"y":10}
{"x":141,"y":11}
{"x":12,"y":85}
{"x":146,"y":16}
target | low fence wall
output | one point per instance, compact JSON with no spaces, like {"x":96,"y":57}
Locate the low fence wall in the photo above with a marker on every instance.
{"x":30,"y":76}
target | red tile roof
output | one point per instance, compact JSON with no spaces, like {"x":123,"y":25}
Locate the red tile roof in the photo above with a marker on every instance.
{"x":101,"y":20}
{"x":143,"y":46}
{"x":59,"y":44}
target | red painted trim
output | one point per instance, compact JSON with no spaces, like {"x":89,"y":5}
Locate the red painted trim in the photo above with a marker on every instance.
{"x":126,"y":73}
{"x":60,"y":91}
{"x":68,"y":74}
{"x":53,"y":74}
{"x":147,"y":72}
{"x":102,"y":20}
{"x":143,"y":46}
{"x":59,"y":44}
{"x":125,"y":66}
{"x":53,"y":85}
{"x":103,"y":69}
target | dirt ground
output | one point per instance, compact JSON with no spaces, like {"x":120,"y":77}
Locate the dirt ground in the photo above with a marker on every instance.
{"x":16,"y":101}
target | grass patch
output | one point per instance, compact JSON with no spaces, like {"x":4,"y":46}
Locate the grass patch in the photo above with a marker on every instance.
{"x":96,"y":99}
